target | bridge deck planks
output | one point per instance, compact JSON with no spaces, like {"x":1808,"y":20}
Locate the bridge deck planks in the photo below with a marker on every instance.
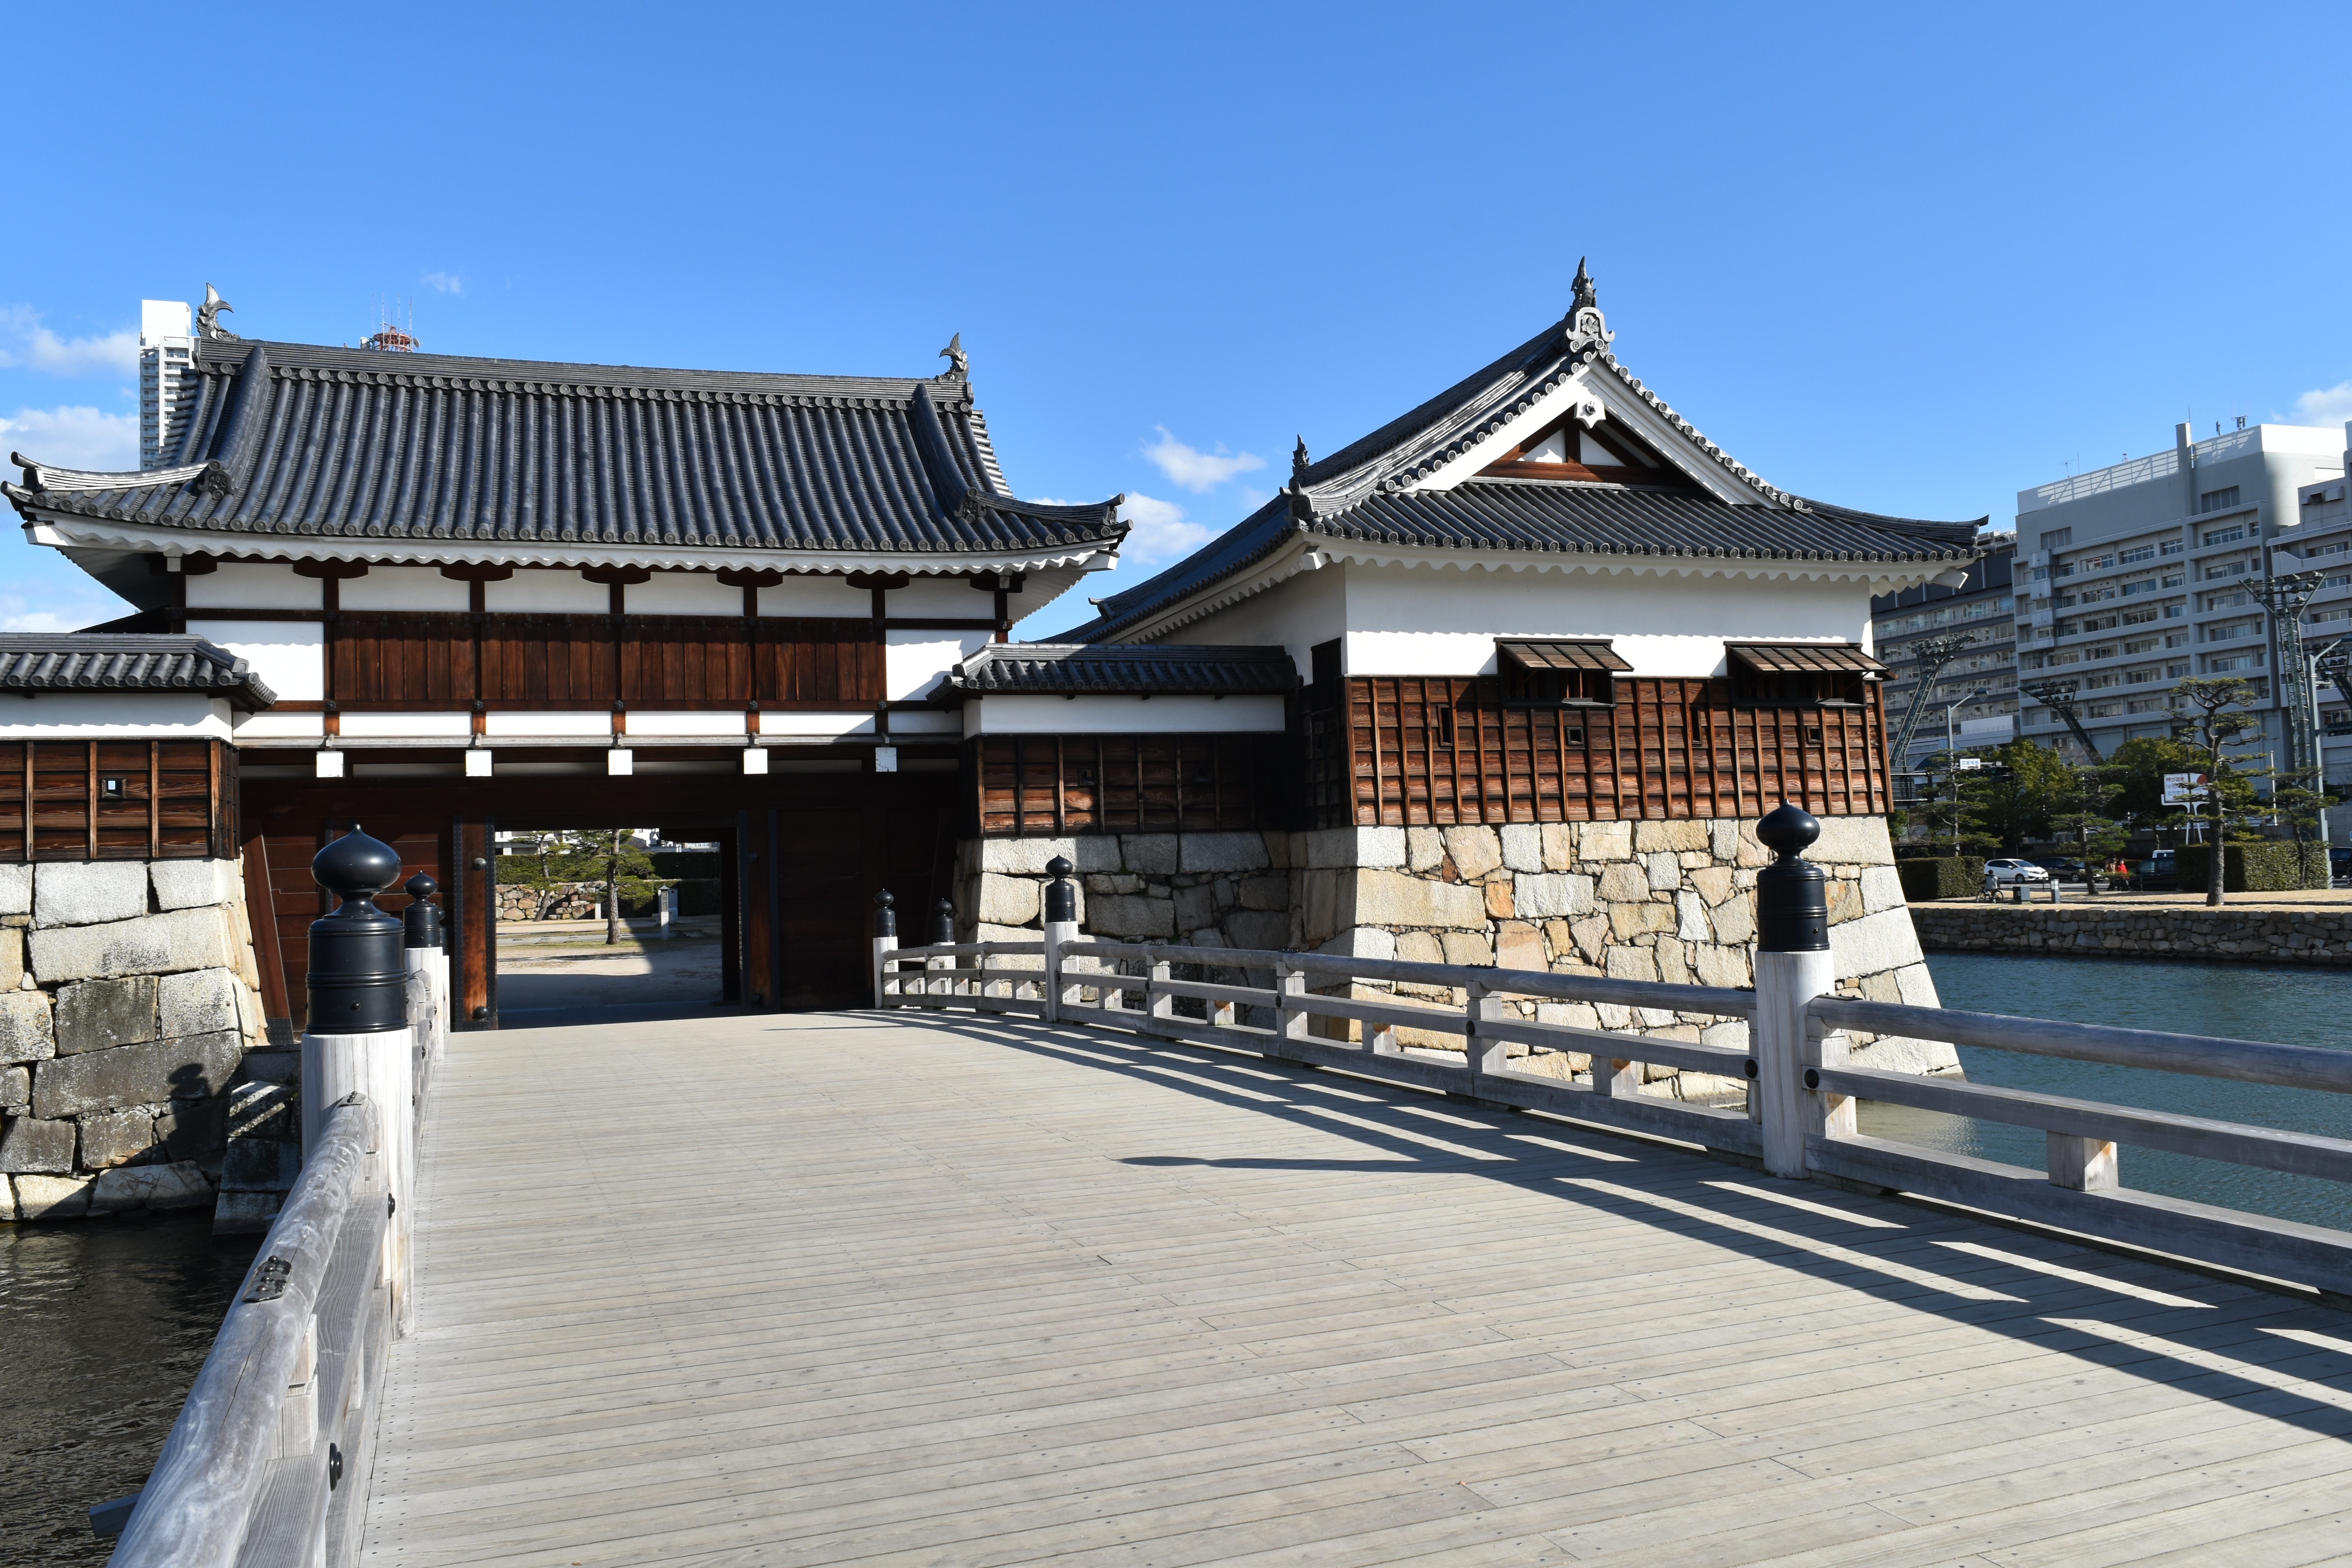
{"x":966,"y":1292}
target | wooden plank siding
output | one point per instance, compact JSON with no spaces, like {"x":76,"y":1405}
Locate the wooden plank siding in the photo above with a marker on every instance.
{"x":1433,"y":751}
{"x":118,"y":800}
{"x":409,"y":661}
{"x":1033,"y":785}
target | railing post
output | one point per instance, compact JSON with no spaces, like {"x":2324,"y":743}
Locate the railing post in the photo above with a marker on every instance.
{"x":424,"y":948}
{"x":1793,"y":965}
{"x":1157,"y":1002}
{"x":885,"y":942}
{"x":358,"y":1037}
{"x":1061,"y":925}
{"x":943,"y":934}
{"x":1484,"y":1054}
{"x":1289,"y":1023}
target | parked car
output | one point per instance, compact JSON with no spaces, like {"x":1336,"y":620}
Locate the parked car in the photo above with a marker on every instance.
{"x":2065,"y":867}
{"x":2159,"y":873}
{"x":2006,"y":873}
{"x":2339,"y":862}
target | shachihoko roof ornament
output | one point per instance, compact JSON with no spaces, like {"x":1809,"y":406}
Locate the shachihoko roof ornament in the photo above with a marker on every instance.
{"x":958,"y":362}
{"x":208,"y":318}
{"x":1588,"y":330}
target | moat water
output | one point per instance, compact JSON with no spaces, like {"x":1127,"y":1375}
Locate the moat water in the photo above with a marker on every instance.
{"x":103,"y":1325}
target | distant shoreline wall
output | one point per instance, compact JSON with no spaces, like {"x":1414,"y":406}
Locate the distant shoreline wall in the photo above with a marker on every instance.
{"x":2318,"y":936}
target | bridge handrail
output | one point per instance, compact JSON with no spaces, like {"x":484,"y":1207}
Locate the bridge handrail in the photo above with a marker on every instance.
{"x":202,"y":1496}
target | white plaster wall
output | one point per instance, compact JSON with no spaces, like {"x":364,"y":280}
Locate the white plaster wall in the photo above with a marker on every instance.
{"x":913,"y":662}
{"x":707,"y":725}
{"x":290,"y":656}
{"x":402,"y":588}
{"x":113,"y":715}
{"x":548,"y":592}
{"x":254,"y":585}
{"x":943,"y":598}
{"x":928,"y":722}
{"x":796,"y":727}
{"x":1407,"y":620}
{"x":829,"y":596}
{"x":407,"y":726}
{"x":1295,"y":614}
{"x":548,"y":726}
{"x":684,"y":594}
{"x":279,"y":729}
{"x":1025,"y":715}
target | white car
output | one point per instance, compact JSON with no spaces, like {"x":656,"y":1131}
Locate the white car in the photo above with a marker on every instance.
{"x":2009,"y":873}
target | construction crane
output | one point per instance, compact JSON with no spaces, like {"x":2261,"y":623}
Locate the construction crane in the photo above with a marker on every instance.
{"x":2058,"y":696}
{"x":1933,"y":654}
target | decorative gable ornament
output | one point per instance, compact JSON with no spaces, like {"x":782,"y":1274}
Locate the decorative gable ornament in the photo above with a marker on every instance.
{"x":1588,"y":330}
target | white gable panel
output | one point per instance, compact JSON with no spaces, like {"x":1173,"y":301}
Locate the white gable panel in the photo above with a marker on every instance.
{"x":290,"y":657}
{"x":1590,"y":395}
{"x":1552,"y":448}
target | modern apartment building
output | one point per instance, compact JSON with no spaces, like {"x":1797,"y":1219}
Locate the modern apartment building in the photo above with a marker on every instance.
{"x":2135,"y":576}
{"x":167,"y":351}
{"x":2323,"y":541}
{"x":1981,"y":677}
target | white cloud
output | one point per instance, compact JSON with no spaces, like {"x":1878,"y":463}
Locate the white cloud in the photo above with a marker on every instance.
{"x":75,"y":438}
{"x":1197,"y":470}
{"x":443,"y":282}
{"x":2325,"y":406}
{"x":26,"y":344}
{"x":1161,"y":531}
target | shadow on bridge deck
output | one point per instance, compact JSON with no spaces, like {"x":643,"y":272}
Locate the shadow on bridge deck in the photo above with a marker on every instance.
{"x":845,"y":1287}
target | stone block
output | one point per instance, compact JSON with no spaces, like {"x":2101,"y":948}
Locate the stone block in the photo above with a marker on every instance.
{"x":1624,"y":883}
{"x":187,"y":1068}
{"x":26,"y":1032}
{"x":1029,"y":857}
{"x":1362,"y":941}
{"x":1844,"y":901}
{"x":1327,"y":903}
{"x":1854,"y":840}
{"x":12,"y":958}
{"x":260,"y":1165}
{"x":1223,"y":852}
{"x":1475,"y":850}
{"x":1519,"y":945}
{"x":1265,"y":892}
{"x":1468,"y":947}
{"x":152,"y":945}
{"x":109,"y":1138}
{"x":1265,"y":930}
{"x":31,"y":1145}
{"x":192,"y":884}
{"x":1009,"y":901}
{"x":1723,"y":839}
{"x":1395,"y":899}
{"x":1734,"y":920}
{"x":246,"y":1214}
{"x":1690,"y":917}
{"x":1559,"y":840}
{"x":1752,"y":853}
{"x":1881,"y":889}
{"x":1545,"y":895}
{"x":1633,"y":964}
{"x":173,"y":1187}
{"x":1195,"y":908}
{"x":88,"y":892}
{"x":270,"y":1067}
{"x":1719,"y":965}
{"x":1605,"y":840}
{"x":1383,"y":848}
{"x":1150,"y":854}
{"x":1650,"y":838}
{"x":195,"y":1129}
{"x":1131,"y":917}
{"x":15,"y":889}
{"x":1522,"y":846}
{"x":15,"y":1090}
{"x":1917,"y":986}
{"x":98,"y":1014}
{"x":1420,"y":947}
{"x":52,"y":1197}
{"x":1899,"y":1053}
{"x":1329,"y":848}
{"x":1498,"y":897}
{"x":1591,"y":936}
{"x":1873,"y":943}
{"x":1630,"y":921}
{"x":1714,"y":883}
{"x":1731,"y":1035}
{"x":1575,"y":1015}
{"x":1674,"y":960}
{"x":1665,"y":871}
{"x":1424,"y":848}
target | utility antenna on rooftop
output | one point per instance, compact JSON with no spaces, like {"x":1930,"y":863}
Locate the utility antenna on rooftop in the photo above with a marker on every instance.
{"x":390,"y":337}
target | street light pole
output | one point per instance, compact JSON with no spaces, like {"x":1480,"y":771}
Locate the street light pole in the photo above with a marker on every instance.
{"x":1952,"y":761}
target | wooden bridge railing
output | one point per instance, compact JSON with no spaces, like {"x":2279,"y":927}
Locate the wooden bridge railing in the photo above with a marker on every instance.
{"x":1798,"y":1119}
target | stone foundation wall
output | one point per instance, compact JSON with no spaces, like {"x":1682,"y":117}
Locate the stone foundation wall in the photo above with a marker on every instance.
{"x":1669,"y":901}
{"x":2321,"y":935}
{"x":130,"y":1014}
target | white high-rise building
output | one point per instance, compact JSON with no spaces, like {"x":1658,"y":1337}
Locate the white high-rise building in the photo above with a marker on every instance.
{"x":2139,"y":576}
{"x":167,"y":354}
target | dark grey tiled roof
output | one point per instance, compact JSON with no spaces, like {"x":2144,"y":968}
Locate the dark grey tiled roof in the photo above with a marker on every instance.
{"x":294,"y":439}
{"x":1540,"y":517}
{"x":1124,"y":669}
{"x":127,"y":661}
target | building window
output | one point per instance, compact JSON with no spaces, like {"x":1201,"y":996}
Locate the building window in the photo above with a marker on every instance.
{"x":1579,"y":673}
{"x":2214,"y":500}
{"x":2057,"y":538}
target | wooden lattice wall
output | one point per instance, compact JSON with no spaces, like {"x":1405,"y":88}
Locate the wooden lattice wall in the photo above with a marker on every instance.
{"x":1033,"y":785}
{"x":118,"y":800}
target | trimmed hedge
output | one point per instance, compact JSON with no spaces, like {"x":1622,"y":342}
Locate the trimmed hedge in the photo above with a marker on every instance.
{"x":2271,"y":867}
{"x":1941,"y":876}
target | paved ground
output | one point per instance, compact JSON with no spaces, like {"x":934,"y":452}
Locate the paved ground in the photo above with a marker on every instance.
{"x":660,"y":974}
{"x":837,"y":1289}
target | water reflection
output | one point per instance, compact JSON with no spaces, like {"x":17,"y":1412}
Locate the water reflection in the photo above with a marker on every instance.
{"x":102,"y":1327}
{"x":2296,"y":1005}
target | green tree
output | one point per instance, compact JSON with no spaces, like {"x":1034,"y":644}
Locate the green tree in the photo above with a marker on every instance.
{"x":556,"y":865}
{"x":2137,"y":769}
{"x":2218,"y":725}
{"x":2089,"y":820}
{"x":2012,"y":798}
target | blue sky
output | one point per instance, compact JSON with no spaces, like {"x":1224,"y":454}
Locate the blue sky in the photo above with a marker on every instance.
{"x":1899,"y":257}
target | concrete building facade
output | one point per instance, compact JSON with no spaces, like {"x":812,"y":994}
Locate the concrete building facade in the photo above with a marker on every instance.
{"x":1982,"y":678}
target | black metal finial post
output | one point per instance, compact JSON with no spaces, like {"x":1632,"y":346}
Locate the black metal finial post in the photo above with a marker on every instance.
{"x":1061,"y":893}
{"x":422,"y":919}
{"x":943,"y":922}
{"x":359,"y":976}
{"x":1792,"y":907}
{"x":886,"y":915}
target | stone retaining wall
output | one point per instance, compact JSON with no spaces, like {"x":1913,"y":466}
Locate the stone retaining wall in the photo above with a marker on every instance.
{"x":1642,"y":900}
{"x":2321,"y":935}
{"x":129,"y":1010}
